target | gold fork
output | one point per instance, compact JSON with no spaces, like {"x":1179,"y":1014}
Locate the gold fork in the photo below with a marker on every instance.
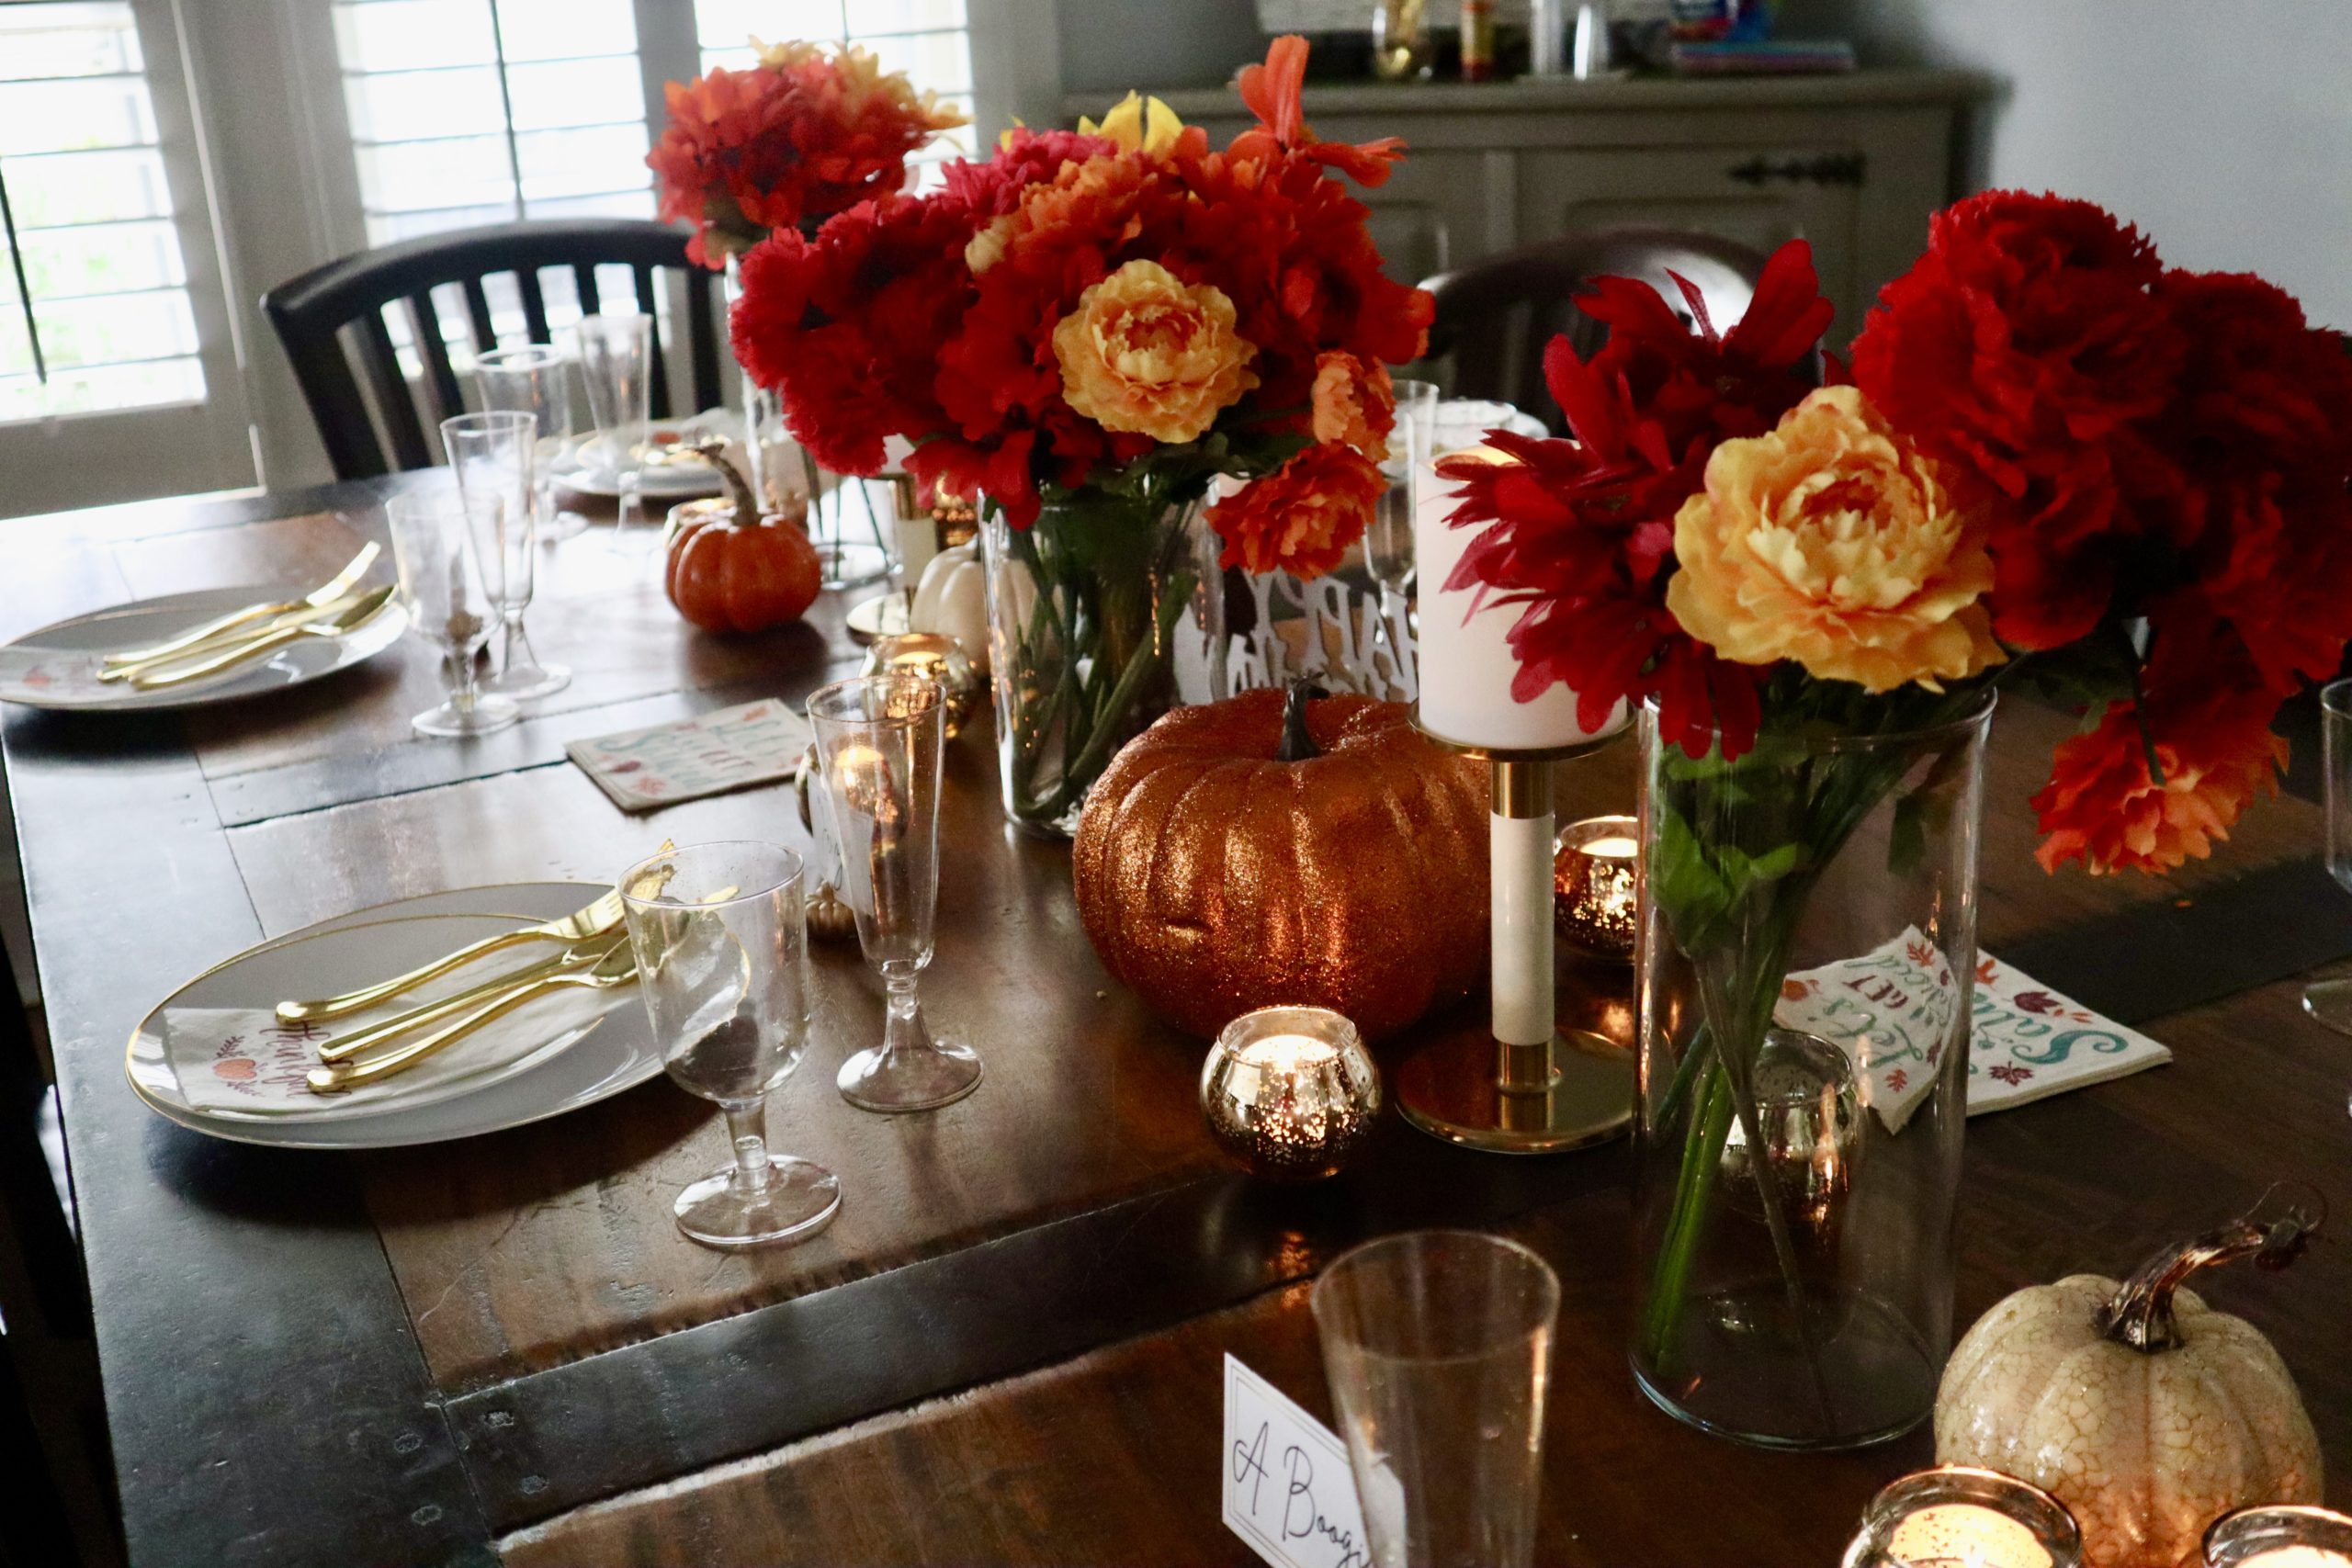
{"x":617,"y":967}
{"x":358,"y":612}
{"x":319,"y":598}
{"x":358,"y":1040}
{"x":595,"y":920}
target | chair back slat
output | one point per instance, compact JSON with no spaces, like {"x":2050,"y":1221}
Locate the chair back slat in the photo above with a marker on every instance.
{"x":535,"y":304}
{"x":383,"y":363}
{"x":425,"y":322}
{"x":478,"y":316}
{"x":702,"y":334}
{"x":330,"y":316}
{"x":1495,"y":316}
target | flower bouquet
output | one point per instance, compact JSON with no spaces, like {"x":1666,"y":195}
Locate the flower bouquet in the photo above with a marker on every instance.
{"x":2055,"y":466}
{"x":1084,"y":330}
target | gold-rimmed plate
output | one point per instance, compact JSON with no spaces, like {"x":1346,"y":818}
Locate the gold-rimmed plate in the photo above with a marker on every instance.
{"x":57,"y":666}
{"x":617,"y":1053}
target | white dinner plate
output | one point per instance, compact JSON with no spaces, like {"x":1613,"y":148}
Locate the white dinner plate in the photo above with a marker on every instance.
{"x":57,"y":666}
{"x":588,"y":467}
{"x":617,"y":1053}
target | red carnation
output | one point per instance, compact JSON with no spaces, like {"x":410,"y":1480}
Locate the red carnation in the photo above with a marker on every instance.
{"x":1302,"y":517}
{"x":2023,"y":350}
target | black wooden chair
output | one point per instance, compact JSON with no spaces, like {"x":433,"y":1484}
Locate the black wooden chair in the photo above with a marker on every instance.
{"x":335,"y":314}
{"x":1495,"y":316}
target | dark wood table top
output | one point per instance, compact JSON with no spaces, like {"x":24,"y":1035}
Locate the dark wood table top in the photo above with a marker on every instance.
{"x":1006,"y":1348}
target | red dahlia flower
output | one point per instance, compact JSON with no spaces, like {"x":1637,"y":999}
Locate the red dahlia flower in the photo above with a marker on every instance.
{"x":2024,"y":350}
{"x":1580,"y":532}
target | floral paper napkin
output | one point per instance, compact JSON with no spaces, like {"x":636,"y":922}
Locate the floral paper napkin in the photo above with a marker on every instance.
{"x":1892,"y":1008}
{"x":247,"y":1061}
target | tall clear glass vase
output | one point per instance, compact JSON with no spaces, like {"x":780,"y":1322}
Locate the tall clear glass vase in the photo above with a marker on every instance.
{"x":1807,"y":950}
{"x":1091,"y":611}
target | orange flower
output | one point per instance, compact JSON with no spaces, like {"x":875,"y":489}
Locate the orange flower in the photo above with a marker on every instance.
{"x":2101,"y":807}
{"x":1353,"y":405}
{"x":1830,"y":541}
{"x":1302,"y":517}
{"x":1143,"y":353}
{"x":1274,"y":92}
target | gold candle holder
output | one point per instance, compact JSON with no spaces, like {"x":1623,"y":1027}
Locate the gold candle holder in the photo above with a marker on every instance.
{"x":1955,"y":1517}
{"x":1290,"y":1093}
{"x":938,"y":656}
{"x":2282,"y":1535}
{"x":1592,"y":884}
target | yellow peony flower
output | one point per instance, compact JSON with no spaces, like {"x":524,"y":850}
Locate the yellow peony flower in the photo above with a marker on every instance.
{"x":1146,"y":354}
{"x":1831,"y":542}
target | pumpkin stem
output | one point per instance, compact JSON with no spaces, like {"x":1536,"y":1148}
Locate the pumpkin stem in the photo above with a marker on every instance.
{"x":738,"y":490}
{"x":2140,"y":1312}
{"x":1297,"y":745}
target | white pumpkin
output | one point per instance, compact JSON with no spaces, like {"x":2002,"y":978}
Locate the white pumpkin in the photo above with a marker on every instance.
{"x":952,"y":599}
{"x":2144,"y":1412}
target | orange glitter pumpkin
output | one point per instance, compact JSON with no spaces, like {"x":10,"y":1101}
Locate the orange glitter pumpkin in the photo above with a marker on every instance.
{"x":1262,"y":851}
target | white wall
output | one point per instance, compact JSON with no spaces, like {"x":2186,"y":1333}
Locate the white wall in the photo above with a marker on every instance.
{"x":2223,"y":128}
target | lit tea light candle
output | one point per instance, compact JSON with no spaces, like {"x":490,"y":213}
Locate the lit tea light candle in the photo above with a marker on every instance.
{"x":1592,"y":884}
{"x":2279,"y":1536}
{"x":1290,"y":1093}
{"x":1958,"y":1517}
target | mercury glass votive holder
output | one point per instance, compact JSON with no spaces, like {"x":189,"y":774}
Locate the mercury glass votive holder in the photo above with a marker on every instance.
{"x":1290,"y":1093}
{"x":1955,"y":1516}
{"x":1592,"y":884}
{"x":2279,"y":1534}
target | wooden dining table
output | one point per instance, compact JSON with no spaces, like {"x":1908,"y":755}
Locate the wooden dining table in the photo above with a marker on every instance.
{"x":1008,"y":1347}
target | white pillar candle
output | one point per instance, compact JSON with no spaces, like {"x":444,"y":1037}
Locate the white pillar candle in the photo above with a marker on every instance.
{"x":1466,"y":663}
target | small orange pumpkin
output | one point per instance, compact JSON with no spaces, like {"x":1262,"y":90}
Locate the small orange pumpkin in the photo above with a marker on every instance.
{"x":1266,"y":851}
{"x":729,"y":575}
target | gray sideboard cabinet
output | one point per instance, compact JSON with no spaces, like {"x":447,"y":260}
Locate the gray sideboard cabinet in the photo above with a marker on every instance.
{"x":1854,"y":163}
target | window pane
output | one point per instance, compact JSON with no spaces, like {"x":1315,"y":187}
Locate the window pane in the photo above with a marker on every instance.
{"x":386,"y":226}
{"x":577,"y":92}
{"x":581,"y":162}
{"x":937,"y":62}
{"x":108,"y":258}
{"x":406,"y":105}
{"x":102,"y":264}
{"x":411,"y":177}
{"x":871,"y":18}
{"x":565,"y":30}
{"x":69,"y":116}
{"x":413,"y":35}
{"x":86,"y":187}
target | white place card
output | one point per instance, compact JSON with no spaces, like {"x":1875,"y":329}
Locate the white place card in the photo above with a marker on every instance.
{"x":1288,"y":1491}
{"x":644,"y":770}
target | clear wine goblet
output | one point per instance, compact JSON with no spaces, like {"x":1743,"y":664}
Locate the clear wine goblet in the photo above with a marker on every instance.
{"x":719,"y":942}
{"x":878,"y":740}
{"x":445,"y":548}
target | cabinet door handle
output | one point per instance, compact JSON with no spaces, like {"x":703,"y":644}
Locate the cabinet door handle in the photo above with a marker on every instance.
{"x":1826,"y":169}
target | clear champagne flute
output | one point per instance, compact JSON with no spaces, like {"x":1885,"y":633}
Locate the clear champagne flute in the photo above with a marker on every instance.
{"x":878,"y":739}
{"x":446,"y":547}
{"x":495,"y":457}
{"x":720,"y":947}
{"x":531,"y":379}
{"x":1388,"y":543}
{"x":616,"y":357}
{"x":2330,"y":1002}
{"x":1438,"y":1346}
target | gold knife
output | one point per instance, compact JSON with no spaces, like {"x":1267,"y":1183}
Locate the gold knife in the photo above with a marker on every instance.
{"x":358,"y":1040}
{"x":347,"y":620}
{"x":617,"y":967}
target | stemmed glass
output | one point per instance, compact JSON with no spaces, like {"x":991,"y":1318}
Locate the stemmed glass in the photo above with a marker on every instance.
{"x":447,"y":552}
{"x":878,"y":739}
{"x":616,"y":368}
{"x":2330,"y":1002}
{"x":1388,"y":543}
{"x":720,"y":947}
{"x":1438,"y":1346}
{"x":530,"y":380}
{"x":495,"y":457}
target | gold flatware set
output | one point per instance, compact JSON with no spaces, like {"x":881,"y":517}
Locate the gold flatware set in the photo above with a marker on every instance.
{"x":595,"y":956}
{"x":333,"y":609}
